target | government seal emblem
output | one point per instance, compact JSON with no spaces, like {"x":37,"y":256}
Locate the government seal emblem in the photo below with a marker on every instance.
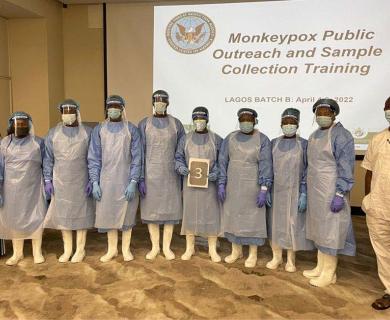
{"x":190,"y":32}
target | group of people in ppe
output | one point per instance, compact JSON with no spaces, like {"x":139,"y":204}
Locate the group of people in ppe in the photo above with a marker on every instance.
{"x":292,"y":191}
{"x":289,"y":190}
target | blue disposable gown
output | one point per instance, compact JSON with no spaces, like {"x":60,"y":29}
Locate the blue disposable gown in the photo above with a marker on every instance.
{"x":333,"y":161}
{"x":114,"y":159}
{"x":286,"y":224}
{"x":24,"y":208}
{"x":65,"y":164}
{"x":201,"y":208}
{"x":245,"y":163}
{"x":163,"y":202}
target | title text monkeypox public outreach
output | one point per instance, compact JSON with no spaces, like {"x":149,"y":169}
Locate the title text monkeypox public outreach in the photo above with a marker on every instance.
{"x":328,"y":54}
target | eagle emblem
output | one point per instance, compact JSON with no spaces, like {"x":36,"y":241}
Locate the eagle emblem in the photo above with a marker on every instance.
{"x":190,"y":32}
{"x":192,"y":35}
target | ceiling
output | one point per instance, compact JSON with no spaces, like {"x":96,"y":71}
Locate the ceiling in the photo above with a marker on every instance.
{"x":152,"y":1}
{"x":102,"y":1}
{"x":9,"y":10}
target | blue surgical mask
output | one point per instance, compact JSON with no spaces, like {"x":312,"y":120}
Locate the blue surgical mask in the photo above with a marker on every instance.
{"x":387,"y":115}
{"x":289,"y":130}
{"x":114,"y":113}
{"x":324,"y":121}
{"x":246,"y":126}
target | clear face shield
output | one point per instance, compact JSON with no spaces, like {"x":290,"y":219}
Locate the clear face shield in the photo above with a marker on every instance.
{"x":387,"y":115}
{"x":21,"y":126}
{"x":247,"y":123}
{"x":289,"y":126}
{"x":324,"y":116}
{"x":200,"y":124}
{"x":160,"y":105}
{"x":116,"y":113}
{"x":70,"y":115}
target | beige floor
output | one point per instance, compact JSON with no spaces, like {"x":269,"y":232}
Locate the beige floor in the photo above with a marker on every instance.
{"x":184,"y":290}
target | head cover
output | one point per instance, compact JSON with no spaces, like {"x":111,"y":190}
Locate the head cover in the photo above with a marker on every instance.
{"x":200,"y":112}
{"x":68,"y":103}
{"x":115,"y":100}
{"x":329,"y":103}
{"x":387,"y":103}
{"x":160,"y":96}
{"x":18,"y":115}
{"x":291,"y":113}
{"x":246,"y":111}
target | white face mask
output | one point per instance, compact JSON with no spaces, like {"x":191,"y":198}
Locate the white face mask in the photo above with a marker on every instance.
{"x":68,"y":119}
{"x":160,"y":107}
{"x":387,"y":115}
{"x":200,"y":125}
{"x":289,"y":130}
{"x":324,"y":121}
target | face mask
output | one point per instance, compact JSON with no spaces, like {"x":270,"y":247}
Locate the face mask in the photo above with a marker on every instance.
{"x":246,"y":126}
{"x":68,"y":119}
{"x":289,"y":130}
{"x":387,"y":115}
{"x":114,"y":113}
{"x":200,"y":125}
{"x":324,"y":121}
{"x":160,"y":107}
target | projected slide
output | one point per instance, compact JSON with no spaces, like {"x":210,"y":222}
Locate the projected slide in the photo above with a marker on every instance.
{"x":273,"y":55}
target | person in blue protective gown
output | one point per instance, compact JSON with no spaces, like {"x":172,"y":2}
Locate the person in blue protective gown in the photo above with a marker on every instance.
{"x":160,"y":185}
{"x":114,"y":163}
{"x":23,"y":206}
{"x":201,"y":208}
{"x":287,"y":216}
{"x":245,"y":163}
{"x":330,"y":177}
{"x":65,"y":171}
